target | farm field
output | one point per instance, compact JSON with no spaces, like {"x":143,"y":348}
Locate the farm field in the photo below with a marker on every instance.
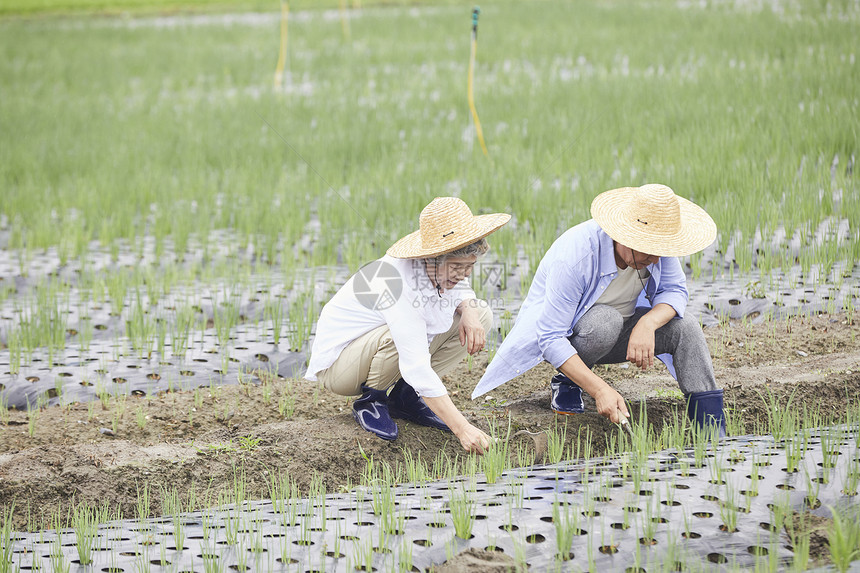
{"x":173,"y":217}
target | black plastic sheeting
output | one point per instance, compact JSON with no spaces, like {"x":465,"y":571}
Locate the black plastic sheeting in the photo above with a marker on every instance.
{"x":82,"y":380}
{"x":679,"y":510}
{"x":109,"y":365}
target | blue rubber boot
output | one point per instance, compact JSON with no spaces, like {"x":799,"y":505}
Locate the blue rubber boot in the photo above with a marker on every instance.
{"x":566,"y":396}
{"x":706,"y":410}
{"x":405,"y":403}
{"x":371,"y":413}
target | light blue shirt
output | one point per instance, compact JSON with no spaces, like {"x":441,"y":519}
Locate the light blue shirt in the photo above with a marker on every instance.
{"x":570,"y":278}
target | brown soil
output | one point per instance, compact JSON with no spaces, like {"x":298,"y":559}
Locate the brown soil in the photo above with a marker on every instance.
{"x":814,"y":528}
{"x":104,"y":453}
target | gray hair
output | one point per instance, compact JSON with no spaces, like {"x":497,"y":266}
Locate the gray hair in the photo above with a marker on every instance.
{"x":476,"y":249}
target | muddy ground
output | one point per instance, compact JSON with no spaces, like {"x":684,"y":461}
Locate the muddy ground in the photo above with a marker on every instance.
{"x":104,"y":453}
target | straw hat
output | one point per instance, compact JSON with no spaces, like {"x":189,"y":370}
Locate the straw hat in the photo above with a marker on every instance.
{"x":446,"y":224}
{"x":653,"y":220}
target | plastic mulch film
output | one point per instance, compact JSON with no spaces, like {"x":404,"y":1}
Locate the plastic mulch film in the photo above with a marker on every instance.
{"x":713,"y":509}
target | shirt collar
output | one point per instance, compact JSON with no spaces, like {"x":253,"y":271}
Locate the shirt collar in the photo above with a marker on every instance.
{"x":606,"y":264}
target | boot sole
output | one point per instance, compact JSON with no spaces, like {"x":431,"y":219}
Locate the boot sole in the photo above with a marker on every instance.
{"x":568,"y":413}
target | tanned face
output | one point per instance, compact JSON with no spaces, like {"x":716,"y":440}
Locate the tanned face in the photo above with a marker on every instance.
{"x":451,"y":272}
{"x":627,"y":257}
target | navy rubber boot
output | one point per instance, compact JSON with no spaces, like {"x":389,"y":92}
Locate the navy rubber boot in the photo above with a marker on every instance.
{"x":706,"y":410}
{"x":405,"y":403}
{"x":566,"y":396}
{"x":371,"y":413}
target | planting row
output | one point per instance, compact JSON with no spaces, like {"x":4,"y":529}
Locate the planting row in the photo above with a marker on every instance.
{"x":708,"y":506}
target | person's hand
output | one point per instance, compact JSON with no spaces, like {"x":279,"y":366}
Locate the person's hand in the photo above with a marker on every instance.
{"x":473,"y":440}
{"x":611,"y":405}
{"x":640,"y":348}
{"x":472,"y":334}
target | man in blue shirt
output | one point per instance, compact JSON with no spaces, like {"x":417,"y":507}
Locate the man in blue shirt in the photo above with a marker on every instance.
{"x":611,"y":290}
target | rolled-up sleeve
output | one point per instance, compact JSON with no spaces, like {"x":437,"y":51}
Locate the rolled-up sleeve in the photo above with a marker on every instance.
{"x":564,"y":289}
{"x":409,"y":333}
{"x":672,"y":287}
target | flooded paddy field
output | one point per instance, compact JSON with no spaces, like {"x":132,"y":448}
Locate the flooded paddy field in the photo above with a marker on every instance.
{"x":171,"y":223}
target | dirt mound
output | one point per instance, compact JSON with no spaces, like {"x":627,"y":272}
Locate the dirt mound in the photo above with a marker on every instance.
{"x":202,"y":441}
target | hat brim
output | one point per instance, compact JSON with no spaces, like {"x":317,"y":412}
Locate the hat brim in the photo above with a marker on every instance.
{"x":697,"y":229}
{"x":409,"y":247}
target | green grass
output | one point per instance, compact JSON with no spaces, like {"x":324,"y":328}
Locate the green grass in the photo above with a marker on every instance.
{"x":118,"y":130}
{"x":139,"y":7}
{"x":102,"y":140}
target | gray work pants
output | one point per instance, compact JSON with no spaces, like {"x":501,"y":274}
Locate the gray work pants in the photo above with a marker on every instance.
{"x":601,"y":337}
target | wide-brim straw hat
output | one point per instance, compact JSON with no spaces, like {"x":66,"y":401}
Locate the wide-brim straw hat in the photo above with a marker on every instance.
{"x":653,"y":220}
{"x":445,"y":225}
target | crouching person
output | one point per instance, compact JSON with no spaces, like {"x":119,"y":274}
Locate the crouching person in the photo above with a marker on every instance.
{"x":611,"y":290}
{"x":406,"y":319}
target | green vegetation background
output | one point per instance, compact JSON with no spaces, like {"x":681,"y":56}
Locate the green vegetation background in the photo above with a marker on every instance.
{"x":116,"y":129}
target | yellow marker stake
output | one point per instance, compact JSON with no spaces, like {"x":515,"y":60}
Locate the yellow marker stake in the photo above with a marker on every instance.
{"x":282,"y":55}
{"x":471,"y":91}
{"x":344,"y":20}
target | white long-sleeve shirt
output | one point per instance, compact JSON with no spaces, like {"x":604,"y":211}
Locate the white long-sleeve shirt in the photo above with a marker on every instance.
{"x":397,"y":293}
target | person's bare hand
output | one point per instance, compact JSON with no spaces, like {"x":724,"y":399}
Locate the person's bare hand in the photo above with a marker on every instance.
{"x":640,"y":348}
{"x":473,"y":439}
{"x":611,"y":405}
{"x":472,"y":334}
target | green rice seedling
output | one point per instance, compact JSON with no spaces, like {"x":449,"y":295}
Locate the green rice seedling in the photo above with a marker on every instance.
{"x":142,"y":561}
{"x":812,"y":488}
{"x":382,"y":492}
{"x":782,"y":421}
{"x":520,"y":563}
{"x":59,"y":563}
{"x":556,"y":443}
{"x":6,"y":538}
{"x":85,"y":522}
{"x":851,"y":477}
{"x":140,"y":329}
{"x":416,"y":470}
{"x":729,"y":509}
{"x":140,"y":417}
{"x":844,"y":537}
{"x":32,"y":418}
{"x":800,"y":541}
{"x":172,"y":505}
{"x":582,"y":448}
{"x":274,"y":312}
{"x":830,"y":442}
{"x":516,"y":491}
{"x":232,"y":524}
{"x":566,"y":522}
{"x":183,"y":320}
{"x":701,"y":438}
{"x":13,"y":342}
{"x":404,"y":555}
{"x":754,"y":475}
{"x":282,"y":490}
{"x":287,"y":401}
{"x":716,"y":470}
{"x":462,"y":508}
{"x":362,"y":554}
{"x":525,"y":456}
{"x":143,"y":505}
{"x":649,"y":519}
{"x":496,"y":457}
{"x":225,"y":315}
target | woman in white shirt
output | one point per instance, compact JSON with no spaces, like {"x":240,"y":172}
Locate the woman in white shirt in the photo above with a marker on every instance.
{"x":405,"y":319}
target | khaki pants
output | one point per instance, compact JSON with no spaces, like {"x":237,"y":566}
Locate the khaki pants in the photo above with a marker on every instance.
{"x":372,"y":360}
